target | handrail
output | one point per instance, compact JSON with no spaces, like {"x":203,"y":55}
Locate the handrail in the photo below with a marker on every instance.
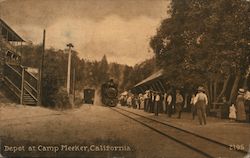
{"x":16,"y":66}
{"x":30,"y":86}
{"x":19,"y":73}
{"x":31,"y":75}
{"x":13,"y":69}
{"x":31,"y":94}
{"x":12,"y":83}
{"x":9,"y":81}
{"x":29,"y":81}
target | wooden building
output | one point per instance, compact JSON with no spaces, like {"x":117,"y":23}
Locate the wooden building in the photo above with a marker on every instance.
{"x":155,"y":82}
{"x":158,"y":82}
{"x":13,"y":76}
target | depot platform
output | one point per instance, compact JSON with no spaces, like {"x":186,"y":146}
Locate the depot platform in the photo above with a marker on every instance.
{"x":225,"y":131}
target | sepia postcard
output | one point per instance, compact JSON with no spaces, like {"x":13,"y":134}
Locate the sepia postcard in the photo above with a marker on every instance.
{"x":125,"y":78}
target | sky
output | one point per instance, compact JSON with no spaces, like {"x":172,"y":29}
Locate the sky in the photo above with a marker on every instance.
{"x":120,"y":29}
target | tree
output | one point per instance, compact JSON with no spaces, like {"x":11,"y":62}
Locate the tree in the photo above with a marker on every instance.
{"x":125,"y":83}
{"x":103,"y":75}
{"x":115,"y":71}
{"x":204,"y":41}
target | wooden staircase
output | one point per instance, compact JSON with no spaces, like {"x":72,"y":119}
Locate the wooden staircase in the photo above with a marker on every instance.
{"x":21,"y":83}
{"x":28,"y":99}
{"x":13,"y":76}
{"x":2,"y":59}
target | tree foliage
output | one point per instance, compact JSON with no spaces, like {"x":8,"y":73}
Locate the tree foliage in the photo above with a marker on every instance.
{"x":89,"y":74}
{"x":203,"y":40}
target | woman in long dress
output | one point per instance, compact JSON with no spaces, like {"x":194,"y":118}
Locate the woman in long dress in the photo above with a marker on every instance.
{"x":232,"y":112}
{"x":240,"y":106}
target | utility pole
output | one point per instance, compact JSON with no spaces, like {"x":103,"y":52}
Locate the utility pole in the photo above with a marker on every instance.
{"x":40,"y":84}
{"x":74,"y":83}
{"x":70,"y":45}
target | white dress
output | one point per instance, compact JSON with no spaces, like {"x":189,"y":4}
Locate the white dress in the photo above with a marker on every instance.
{"x":232,"y":112}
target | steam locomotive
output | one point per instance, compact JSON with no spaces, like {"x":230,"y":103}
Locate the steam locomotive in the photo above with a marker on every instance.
{"x":109,"y":93}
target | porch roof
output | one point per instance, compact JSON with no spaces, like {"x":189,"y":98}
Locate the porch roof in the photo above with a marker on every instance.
{"x":13,"y":36}
{"x":155,"y":75}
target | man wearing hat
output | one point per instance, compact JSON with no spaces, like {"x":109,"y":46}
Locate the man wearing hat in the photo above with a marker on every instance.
{"x":169,"y":104}
{"x":201,"y":102}
{"x":178,"y":103}
{"x":157,"y":103}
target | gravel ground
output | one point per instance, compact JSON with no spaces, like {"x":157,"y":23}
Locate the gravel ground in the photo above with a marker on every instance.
{"x":222,"y":130}
{"x":84,"y":125}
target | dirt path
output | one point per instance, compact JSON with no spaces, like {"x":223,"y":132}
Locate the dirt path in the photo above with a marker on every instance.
{"x":85,"y":125}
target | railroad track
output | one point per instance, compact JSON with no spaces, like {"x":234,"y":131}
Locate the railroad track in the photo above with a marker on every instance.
{"x":205,"y":146}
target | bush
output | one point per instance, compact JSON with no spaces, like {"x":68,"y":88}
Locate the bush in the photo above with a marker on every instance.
{"x":61,"y":99}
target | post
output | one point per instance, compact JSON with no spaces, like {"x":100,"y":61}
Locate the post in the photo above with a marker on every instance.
{"x":69,"y":68}
{"x":160,"y":83}
{"x":22,"y":86}
{"x":39,"y":83}
{"x":21,"y":53}
{"x":74,"y":82}
{"x":215,"y":92}
{"x":245,"y":85}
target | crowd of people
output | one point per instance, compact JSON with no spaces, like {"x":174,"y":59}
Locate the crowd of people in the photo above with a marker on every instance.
{"x":172,"y":102}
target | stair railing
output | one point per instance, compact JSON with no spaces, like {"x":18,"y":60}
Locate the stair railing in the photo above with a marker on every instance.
{"x":19,"y":81}
{"x":30,"y":84}
{"x":13,"y":80}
